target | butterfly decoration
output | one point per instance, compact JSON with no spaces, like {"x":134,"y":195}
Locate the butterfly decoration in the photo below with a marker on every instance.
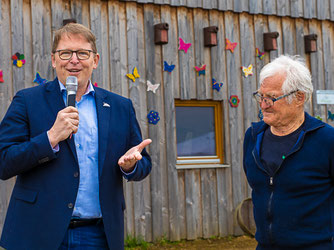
{"x":18,"y":60}
{"x":318,"y":117}
{"x":95,"y":84}
{"x":247,"y":71}
{"x":260,"y":115}
{"x":1,"y":76}
{"x":168,"y":67}
{"x":184,"y":46}
{"x":153,"y":117}
{"x":38,"y":79}
{"x":330,"y":116}
{"x":134,"y":74}
{"x":234,"y":101}
{"x":152,"y":87}
{"x":200,"y":70}
{"x":259,"y":54}
{"x":229,"y":45}
{"x":216,"y":85}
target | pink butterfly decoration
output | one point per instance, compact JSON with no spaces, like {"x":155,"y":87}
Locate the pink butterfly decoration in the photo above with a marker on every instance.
{"x":184,"y":46}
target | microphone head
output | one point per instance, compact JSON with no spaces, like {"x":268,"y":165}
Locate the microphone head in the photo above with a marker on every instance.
{"x":71,"y":84}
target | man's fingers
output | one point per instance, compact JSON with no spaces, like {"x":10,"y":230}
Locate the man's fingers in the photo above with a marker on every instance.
{"x":143,"y":144}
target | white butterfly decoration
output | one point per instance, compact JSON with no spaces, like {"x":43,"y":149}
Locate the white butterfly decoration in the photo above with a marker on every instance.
{"x":152,"y":87}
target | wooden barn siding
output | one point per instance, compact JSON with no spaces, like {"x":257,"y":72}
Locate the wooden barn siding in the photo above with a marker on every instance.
{"x":308,"y":9}
{"x":177,"y":204}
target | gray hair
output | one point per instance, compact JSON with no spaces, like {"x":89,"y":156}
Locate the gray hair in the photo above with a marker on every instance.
{"x":297,"y":75}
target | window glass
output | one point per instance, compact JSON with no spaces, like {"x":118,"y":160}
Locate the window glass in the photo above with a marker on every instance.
{"x":195,"y":131}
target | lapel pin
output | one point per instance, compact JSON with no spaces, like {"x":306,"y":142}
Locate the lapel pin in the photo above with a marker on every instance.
{"x":106,"y":105}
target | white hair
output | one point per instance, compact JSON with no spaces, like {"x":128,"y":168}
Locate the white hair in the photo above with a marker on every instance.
{"x":297,"y":75}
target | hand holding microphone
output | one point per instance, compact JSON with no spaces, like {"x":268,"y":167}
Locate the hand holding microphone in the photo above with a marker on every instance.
{"x":67,"y":120}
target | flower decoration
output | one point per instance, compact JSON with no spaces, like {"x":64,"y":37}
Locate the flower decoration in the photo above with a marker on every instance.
{"x":38,"y":79}
{"x":153,"y":117}
{"x":216,"y":85}
{"x":18,"y":60}
{"x":234,"y":101}
{"x":1,"y":76}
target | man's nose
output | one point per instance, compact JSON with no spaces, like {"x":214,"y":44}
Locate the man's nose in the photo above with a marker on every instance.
{"x":74,"y":59}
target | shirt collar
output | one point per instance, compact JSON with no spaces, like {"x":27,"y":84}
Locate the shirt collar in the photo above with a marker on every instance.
{"x":90,"y":88}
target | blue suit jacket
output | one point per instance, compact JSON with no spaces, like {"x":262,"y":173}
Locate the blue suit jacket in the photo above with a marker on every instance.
{"x":40,"y":207}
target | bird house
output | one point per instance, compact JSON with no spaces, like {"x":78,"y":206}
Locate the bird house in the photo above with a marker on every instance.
{"x":310,"y":43}
{"x":210,"y":36}
{"x":270,"y":41}
{"x":71,"y":20}
{"x":161,"y":33}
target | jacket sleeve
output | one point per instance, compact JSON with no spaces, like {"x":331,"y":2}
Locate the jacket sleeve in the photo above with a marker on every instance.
{"x":245,"y":147}
{"x":18,"y":151}
{"x":144,"y":166}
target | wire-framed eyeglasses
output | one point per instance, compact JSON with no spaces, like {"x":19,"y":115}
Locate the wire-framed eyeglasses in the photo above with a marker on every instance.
{"x":269,"y":101}
{"x":82,"y":54}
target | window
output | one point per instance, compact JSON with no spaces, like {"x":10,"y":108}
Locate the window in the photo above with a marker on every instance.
{"x":198,"y":132}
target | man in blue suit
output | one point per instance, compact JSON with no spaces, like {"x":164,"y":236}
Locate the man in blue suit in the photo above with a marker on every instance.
{"x":68,"y":192}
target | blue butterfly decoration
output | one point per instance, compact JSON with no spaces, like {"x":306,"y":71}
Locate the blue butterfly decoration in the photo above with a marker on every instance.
{"x":38,"y":79}
{"x":330,"y":116}
{"x":216,"y":85}
{"x":168,"y":67}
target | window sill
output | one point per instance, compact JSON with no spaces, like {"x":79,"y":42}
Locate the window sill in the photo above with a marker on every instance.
{"x":201,"y":166}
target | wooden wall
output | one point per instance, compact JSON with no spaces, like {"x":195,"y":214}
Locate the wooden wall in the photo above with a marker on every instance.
{"x":171,"y":203}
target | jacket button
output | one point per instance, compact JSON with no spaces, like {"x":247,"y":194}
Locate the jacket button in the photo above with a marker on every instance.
{"x":76,"y":174}
{"x":70,"y":205}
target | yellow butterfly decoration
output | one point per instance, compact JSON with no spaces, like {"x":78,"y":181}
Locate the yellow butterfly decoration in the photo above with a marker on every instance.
{"x":247,"y":71}
{"x":134,"y":74}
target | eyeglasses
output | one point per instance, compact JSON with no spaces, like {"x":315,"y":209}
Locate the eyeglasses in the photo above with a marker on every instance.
{"x":82,"y":54}
{"x":268,"y":100}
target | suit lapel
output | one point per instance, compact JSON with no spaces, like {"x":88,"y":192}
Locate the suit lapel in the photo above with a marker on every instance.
{"x":103,"y":108}
{"x":56,"y":103}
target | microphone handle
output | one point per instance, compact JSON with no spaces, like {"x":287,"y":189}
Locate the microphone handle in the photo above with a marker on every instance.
{"x":71,"y":100}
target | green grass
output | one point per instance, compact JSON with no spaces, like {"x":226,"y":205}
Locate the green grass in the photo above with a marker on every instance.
{"x":133,"y":242}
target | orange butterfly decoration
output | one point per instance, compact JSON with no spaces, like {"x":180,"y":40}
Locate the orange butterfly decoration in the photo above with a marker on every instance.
{"x":230,"y":46}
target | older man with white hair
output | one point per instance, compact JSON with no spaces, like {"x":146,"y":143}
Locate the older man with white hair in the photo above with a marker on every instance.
{"x":289,"y":162}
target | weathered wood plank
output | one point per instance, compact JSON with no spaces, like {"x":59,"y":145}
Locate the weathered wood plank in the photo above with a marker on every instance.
{"x":136,"y":50}
{"x":41,"y":40}
{"x":283,"y":7}
{"x":202,"y":54}
{"x":6,"y":93}
{"x":309,"y":9}
{"x":222,"y":5}
{"x":323,"y":9}
{"x":301,"y":30}
{"x":327,"y":48}
{"x":156,"y":132}
{"x":255,"y":6}
{"x":269,"y":7}
{"x":289,"y":36}
{"x":176,"y":194}
{"x":241,"y":6}
{"x":17,"y":30}
{"x":101,"y":73}
{"x":296,"y":7}
{"x":317,"y":69}
{"x":224,"y":185}
{"x":186,"y":60}
{"x":275,"y":25}
{"x":331,"y":5}
{"x":236,"y":116}
{"x":28,"y":53}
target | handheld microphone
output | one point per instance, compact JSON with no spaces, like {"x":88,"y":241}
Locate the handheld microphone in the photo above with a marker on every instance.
{"x":71,"y":87}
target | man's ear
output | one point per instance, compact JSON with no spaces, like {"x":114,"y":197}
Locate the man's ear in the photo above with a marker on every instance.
{"x":53,"y":60}
{"x":300,"y":96}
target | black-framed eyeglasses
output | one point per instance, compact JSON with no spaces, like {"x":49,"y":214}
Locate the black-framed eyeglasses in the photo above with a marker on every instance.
{"x":268,"y":100}
{"x":82,"y":54}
